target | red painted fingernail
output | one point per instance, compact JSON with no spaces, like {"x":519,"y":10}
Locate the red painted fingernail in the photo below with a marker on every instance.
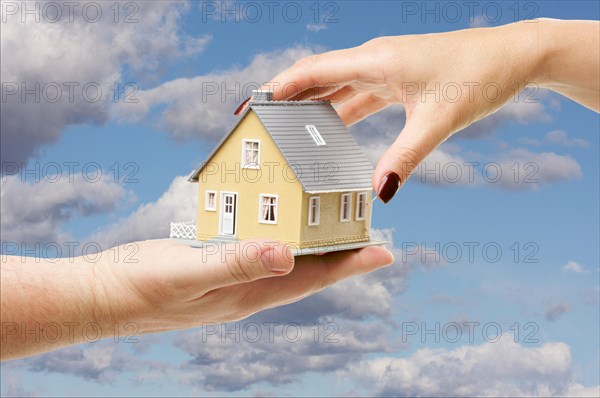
{"x":388,"y":187}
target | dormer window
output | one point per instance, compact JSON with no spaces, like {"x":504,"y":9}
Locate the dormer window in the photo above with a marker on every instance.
{"x":250,"y":154}
{"x":314,"y":133}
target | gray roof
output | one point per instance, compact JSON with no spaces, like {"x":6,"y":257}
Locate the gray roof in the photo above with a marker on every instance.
{"x":342,"y":164}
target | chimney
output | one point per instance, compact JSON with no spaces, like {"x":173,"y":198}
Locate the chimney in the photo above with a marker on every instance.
{"x":257,"y":96}
{"x":262,"y":95}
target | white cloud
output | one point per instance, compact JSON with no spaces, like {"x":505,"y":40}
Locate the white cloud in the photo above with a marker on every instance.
{"x":201,"y":107}
{"x":537,"y":169}
{"x":14,"y":386}
{"x":279,"y":355}
{"x":560,"y":137}
{"x":316,"y":27}
{"x":577,"y":390}
{"x":152,"y":220}
{"x":91,"y":54}
{"x":362,"y":296}
{"x":512,"y":169}
{"x":370,"y":296}
{"x":98,"y":363}
{"x":557,"y":137}
{"x":35,"y":212}
{"x":504,"y":368}
{"x":443,"y":168}
{"x":195,"y":45}
{"x":573,"y":266}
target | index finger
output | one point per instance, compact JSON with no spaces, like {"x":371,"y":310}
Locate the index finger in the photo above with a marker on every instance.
{"x":337,"y":68}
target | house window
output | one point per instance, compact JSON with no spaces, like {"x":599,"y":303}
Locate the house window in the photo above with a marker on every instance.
{"x":361,"y":205}
{"x":250,"y":154}
{"x":267,"y":209}
{"x":210,"y":203}
{"x":314,"y":210}
{"x":316,"y":136}
{"x":345,"y":207}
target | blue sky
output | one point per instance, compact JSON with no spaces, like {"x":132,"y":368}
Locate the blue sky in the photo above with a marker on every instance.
{"x":544,"y":283}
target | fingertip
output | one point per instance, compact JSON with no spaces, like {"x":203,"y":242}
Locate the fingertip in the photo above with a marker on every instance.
{"x":389,"y":258}
{"x":377,"y":257}
{"x":396,"y":166}
{"x":287,"y":257}
{"x":348,"y":119}
{"x":388,"y":186}
{"x":277,"y":257}
{"x":359,"y":107}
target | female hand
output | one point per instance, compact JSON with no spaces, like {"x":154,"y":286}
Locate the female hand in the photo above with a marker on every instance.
{"x":446,"y":81}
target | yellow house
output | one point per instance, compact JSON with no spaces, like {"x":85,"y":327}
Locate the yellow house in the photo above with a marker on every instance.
{"x":287,"y":170}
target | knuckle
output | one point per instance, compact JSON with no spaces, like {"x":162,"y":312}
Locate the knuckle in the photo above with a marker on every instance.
{"x":374,"y":42}
{"x":407,"y":159}
{"x":307,"y":62}
{"x":236,"y":268}
{"x":378,"y":43}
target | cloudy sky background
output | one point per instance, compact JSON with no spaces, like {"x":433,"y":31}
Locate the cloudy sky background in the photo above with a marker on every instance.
{"x":540,"y":292}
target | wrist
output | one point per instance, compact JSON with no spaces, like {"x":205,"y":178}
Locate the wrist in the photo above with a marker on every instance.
{"x":111,"y":298}
{"x":548,"y":51}
{"x":556,"y":58}
{"x":533,"y":47}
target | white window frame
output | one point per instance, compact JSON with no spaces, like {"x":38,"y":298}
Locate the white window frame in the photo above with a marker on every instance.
{"x":349,"y":196}
{"x":260,"y":207}
{"x":364,"y":206}
{"x":316,"y":136}
{"x":317,"y":200}
{"x":250,"y":166}
{"x":206,"y":201}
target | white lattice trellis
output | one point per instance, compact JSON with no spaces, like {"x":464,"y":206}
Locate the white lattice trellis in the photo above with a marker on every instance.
{"x":183,"y":230}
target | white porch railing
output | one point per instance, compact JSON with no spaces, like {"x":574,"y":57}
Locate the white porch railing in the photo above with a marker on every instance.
{"x":183,"y":230}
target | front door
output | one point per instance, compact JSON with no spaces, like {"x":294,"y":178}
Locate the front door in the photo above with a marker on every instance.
{"x":228,"y":213}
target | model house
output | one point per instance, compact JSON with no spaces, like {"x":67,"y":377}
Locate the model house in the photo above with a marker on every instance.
{"x":287,"y":170}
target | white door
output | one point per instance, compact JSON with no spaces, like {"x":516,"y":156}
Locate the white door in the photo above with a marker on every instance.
{"x":228,"y":214}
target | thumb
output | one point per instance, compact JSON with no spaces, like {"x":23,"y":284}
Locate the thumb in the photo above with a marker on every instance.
{"x":246,"y":261}
{"x":420,"y":136}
